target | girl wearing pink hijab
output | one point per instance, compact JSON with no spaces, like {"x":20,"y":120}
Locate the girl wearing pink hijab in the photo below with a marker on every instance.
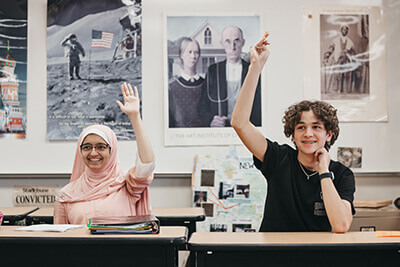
{"x":98,"y":186}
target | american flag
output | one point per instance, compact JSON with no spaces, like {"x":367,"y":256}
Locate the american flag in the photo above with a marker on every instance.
{"x":102,"y":39}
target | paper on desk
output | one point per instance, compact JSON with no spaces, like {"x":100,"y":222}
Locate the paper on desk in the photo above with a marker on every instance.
{"x":50,"y":227}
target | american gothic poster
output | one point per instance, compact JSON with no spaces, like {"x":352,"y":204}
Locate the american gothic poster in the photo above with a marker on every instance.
{"x":207,"y":58}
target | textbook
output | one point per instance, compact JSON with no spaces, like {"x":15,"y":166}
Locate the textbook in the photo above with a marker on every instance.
{"x":141,"y":224}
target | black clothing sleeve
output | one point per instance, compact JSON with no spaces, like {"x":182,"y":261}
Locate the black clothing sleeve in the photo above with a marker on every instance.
{"x":275,"y":153}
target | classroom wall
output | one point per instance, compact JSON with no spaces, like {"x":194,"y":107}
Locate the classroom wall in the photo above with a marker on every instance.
{"x":283,"y":18}
{"x":282,"y":82}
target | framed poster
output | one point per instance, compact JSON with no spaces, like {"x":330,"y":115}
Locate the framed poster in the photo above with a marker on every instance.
{"x":345,"y":61}
{"x":91,"y":50}
{"x":207,"y":59}
{"x":13,"y":66}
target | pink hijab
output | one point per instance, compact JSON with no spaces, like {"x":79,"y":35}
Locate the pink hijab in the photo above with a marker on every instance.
{"x":88,"y":184}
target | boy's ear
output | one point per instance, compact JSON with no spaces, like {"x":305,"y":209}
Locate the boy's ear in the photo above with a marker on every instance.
{"x":330,"y":134}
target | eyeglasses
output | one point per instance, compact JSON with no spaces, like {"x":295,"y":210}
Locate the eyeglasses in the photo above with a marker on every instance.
{"x":98,"y":147}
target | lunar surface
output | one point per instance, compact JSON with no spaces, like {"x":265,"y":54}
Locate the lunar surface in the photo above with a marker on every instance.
{"x":75,"y":104}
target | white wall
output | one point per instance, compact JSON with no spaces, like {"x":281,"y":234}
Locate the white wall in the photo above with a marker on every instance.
{"x":283,"y":82}
{"x":387,"y":188}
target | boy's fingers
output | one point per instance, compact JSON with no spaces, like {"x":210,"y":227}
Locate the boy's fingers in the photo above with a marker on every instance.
{"x":263,"y":40}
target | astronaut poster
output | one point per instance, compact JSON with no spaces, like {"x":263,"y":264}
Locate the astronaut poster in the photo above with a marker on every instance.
{"x":13,"y":66}
{"x":206,"y":61}
{"x":92,"y":48}
{"x":345,"y":60}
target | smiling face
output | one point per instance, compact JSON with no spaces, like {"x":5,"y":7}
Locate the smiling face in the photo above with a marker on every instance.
{"x":95,"y":158}
{"x":310,"y":134}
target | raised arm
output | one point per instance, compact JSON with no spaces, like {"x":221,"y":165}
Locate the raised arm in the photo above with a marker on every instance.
{"x":251,"y":137}
{"x":65,"y":40}
{"x":131,"y":108}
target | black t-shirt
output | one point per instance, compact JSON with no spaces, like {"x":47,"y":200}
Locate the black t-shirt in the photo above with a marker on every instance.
{"x":294,"y":203}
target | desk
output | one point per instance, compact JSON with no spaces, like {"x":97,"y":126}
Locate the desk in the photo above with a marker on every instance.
{"x":12,"y":215}
{"x":180,"y":217}
{"x":80,"y":248}
{"x":386,"y":218}
{"x":294,"y":249}
{"x":42,"y":215}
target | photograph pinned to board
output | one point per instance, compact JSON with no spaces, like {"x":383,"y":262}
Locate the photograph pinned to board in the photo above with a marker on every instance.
{"x":242,"y":227}
{"x":350,"y":156}
{"x":91,"y":50}
{"x":207,"y":177}
{"x":235,"y":201}
{"x":199,"y":198}
{"x":203,"y":76}
{"x":345,"y":60}
{"x":13,"y":69}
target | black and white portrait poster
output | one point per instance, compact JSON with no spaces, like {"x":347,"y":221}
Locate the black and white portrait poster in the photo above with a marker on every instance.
{"x":13,"y":69}
{"x":207,"y":58}
{"x":344,"y":60}
{"x":92,"y":48}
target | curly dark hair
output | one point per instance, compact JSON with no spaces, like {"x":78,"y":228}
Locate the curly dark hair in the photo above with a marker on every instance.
{"x":322,"y":110}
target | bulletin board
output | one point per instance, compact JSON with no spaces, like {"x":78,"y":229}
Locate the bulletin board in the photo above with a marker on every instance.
{"x":232,"y":192}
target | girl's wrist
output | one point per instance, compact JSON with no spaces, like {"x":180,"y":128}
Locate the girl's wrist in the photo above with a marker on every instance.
{"x":134,"y":116}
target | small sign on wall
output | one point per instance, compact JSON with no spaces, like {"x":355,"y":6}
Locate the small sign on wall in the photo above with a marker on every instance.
{"x":37,"y":195}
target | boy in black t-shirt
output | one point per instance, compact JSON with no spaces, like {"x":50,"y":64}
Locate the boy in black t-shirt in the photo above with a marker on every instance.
{"x":307,"y":191}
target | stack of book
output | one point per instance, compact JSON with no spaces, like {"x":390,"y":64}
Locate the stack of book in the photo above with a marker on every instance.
{"x":146,"y":224}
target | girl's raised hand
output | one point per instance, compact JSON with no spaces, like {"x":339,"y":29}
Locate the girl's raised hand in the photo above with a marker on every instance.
{"x":131,"y":104}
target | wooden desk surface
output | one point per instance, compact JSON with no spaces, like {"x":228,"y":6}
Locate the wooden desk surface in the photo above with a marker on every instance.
{"x":56,"y":248}
{"x":306,"y":238}
{"x":352,"y":249}
{"x":168,"y":232}
{"x":178,"y":212}
{"x":12,"y":211}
